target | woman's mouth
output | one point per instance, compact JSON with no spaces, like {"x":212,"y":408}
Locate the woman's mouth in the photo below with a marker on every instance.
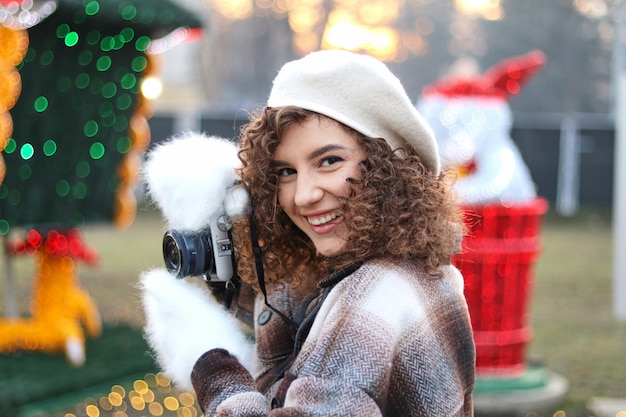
{"x":322,"y":220}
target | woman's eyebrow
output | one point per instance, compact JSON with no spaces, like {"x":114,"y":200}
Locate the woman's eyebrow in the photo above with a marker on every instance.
{"x":315,"y":154}
{"x":325,"y":149}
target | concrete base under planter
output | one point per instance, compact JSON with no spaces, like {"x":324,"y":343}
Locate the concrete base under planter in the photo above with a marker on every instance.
{"x":534,"y":391}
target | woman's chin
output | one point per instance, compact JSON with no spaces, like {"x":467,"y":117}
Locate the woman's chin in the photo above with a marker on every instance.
{"x":330,"y":250}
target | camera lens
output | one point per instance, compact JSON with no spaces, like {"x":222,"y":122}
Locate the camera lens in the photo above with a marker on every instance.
{"x":187,"y":255}
{"x":171,"y":253}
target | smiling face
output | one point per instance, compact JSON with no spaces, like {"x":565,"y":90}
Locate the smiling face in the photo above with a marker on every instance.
{"x":313,"y":161}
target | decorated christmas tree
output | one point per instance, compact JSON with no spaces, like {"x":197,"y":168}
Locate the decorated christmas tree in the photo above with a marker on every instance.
{"x":73,"y":128}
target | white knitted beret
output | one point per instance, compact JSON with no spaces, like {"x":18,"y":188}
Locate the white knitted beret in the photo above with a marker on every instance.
{"x":360,"y":92}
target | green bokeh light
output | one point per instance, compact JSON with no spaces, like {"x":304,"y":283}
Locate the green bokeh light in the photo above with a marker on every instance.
{"x":105,"y":108}
{"x":4,"y":227}
{"x":46,"y":58}
{"x":71,"y":39}
{"x":85,"y":58}
{"x":27,"y":151}
{"x":83,"y":169}
{"x":93,"y":37}
{"x":96,"y":151}
{"x":11,"y":146}
{"x":92,"y":8}
{"x":91,"y":128}
{"x":109,"y":90}
{"x":118,"y":42}
{"x":30,"y":55}
{"x":78,"y":220}
{"x":127,"y":34}
{"x":124,"y":101}
{"x":109,"y":120}
{"x":80,"y":191}
{"x":107,"y":43}
{"x":79,"y":18}
{"x":124,"y":144}
{"x":25,"y":172}
{"x":41,"y":104}
{"x":139,"y":64}
{"x":128,"y":81}
{"x":62,"y":30}
{"x":142,"y":43}
{"x":14,"y":197}
{"x":103,"y":63}
{"x":148,"y":16}
{"x":129,"y":12}
{"x":82,"y":80}
{"x":49,"y":147}
{"x":63,"y":188}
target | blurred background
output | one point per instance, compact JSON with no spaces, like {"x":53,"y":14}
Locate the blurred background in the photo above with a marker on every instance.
{"x":212,"y":61}
{"x":229,"y":71}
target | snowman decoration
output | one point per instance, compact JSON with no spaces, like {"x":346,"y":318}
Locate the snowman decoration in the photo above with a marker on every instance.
{"x":472,"y":120}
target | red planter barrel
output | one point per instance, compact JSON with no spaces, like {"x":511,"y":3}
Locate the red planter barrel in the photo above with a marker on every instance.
{"x":497,"y":262}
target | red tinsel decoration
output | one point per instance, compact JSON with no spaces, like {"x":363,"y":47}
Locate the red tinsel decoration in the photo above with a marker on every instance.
{"x":56,"y":243}
{"x":500,"y":81}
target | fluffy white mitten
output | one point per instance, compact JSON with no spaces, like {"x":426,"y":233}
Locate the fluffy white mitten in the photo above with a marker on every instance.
{"x":183,"y":321}
{"x":190,"y":178}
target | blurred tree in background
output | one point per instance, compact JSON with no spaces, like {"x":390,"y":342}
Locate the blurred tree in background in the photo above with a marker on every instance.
{"x":422,"y":40}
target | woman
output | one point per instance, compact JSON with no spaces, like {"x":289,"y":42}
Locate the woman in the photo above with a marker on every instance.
{"x":361,"y":313}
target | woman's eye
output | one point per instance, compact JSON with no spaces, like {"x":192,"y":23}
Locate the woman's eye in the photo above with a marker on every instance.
{"x":284,"y":172}
{"x":330,"y":161}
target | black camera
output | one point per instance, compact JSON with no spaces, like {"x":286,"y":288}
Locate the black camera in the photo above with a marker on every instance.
{"x":207,"y":254}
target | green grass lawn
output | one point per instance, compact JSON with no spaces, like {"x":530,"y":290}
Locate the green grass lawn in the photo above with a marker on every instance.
{"x":575,"y":333}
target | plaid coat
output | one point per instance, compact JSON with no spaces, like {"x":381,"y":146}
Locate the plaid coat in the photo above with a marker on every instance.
{"x":388,"y":340}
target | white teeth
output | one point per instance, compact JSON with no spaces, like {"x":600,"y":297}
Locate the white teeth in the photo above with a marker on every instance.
{"x":316,"y":221}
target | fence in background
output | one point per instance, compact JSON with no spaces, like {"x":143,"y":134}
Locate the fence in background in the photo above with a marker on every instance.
{"x":570,"y":156}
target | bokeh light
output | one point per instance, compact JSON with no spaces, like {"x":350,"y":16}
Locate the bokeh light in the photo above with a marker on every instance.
{"x":369,"y":26}
{"x":592,"y":8}
{"x":153,"y":395}
{"x":364,"y":26}
{"x":151,"y":88}
{"x":486,"y":9}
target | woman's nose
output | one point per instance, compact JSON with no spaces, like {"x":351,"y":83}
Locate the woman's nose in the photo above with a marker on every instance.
{"x":308,"y":190}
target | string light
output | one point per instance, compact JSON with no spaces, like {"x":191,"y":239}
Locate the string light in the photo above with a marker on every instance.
{"x":23,"y":14}
{"x":13,"y":45}
{"x":87,"y":95}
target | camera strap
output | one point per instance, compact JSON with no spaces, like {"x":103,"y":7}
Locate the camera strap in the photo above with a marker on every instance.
{"x":230,"y":287}
{"x":229,"y":293}
{"x":258,"y":262}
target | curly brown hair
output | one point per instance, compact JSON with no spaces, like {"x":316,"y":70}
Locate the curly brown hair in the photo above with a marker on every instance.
{"x":397,"y":209}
